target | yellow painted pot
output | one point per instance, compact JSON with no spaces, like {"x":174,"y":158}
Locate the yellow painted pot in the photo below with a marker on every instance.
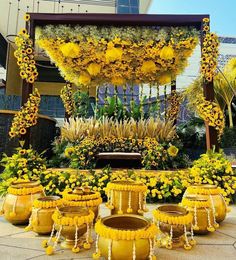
{"x":41,"y":218}
{"x":174,"y":222}
{"x":125,"y":248}
{"x":203,"y":218}
{"x":211,"y":192}
{"x":126,"y":197}
{"x":84,"y":197}
{"x":67,"y":231}
{"x":18,"y":203}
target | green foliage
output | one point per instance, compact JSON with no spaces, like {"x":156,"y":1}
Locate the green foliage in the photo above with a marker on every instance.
{"x":229,"y":137}
{"x":25,"y":164}
{"x":214,"y":168}
{"x":82,"y":104}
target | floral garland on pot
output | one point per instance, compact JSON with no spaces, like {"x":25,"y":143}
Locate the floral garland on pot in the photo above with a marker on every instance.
{"x":27,"y":116}
{"x":97,"y":55}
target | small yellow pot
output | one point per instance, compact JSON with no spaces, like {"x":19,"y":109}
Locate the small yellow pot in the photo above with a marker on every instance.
{"x":18,"y":203}
{"x":174,"y":222}
{"x":126,"y":197}
{"x":83,"y":197}
{"x":203,"y":218}
{"x":41,"y":218}
{"x":119,"y":248}
{"x":68,"y":232}
{"x":212,"y":193}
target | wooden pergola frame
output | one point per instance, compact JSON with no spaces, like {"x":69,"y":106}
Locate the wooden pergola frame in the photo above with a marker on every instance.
{"x":42,"y":19}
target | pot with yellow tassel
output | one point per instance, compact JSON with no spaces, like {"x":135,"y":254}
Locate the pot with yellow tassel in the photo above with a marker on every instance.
{"x":41,"y":218}
{"x":17,"y":205}
{"x":125,"y":237}
{"x":83,"y":197}
{"x":214,"y":194}
{"x":74,"y":225}
{"x":204,"y":220}
{"x":174,"y":222}
{"x":126,"y":197}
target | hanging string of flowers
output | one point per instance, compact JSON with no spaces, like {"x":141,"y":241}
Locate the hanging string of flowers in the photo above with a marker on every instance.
{"x":91,"y":55}
{"x":174,"y":102}
{"x":25,"y":55}
{"x":211,"y":113}
{"x":210,"y":52}
{"x":27,"y":116}
{"x":67,"y":99}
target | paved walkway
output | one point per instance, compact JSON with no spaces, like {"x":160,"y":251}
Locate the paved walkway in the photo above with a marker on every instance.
{"x":20,"y":245}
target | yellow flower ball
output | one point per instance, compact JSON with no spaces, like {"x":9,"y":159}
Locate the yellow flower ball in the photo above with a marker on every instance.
{"x":44,"y":243}
{"x":75,"y":249}
{"x":167,"y":53}
{"x":84,"y":79}
{"x":70,"y":50}
{"x":49,"y":250}
{"x":94,"y":69}
{"x":113,"y":54}
{"x":87,"y":246}
{"x":148,"y":67}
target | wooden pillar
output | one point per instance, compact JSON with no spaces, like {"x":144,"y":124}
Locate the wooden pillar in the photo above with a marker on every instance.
{"x":209,"y":94}
{"x":27,"y":88}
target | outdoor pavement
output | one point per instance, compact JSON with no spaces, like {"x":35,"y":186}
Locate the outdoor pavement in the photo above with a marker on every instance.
{"x":15,"y":243}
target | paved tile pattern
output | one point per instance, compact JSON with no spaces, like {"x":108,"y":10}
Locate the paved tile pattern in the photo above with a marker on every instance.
{"x":15,"y":243}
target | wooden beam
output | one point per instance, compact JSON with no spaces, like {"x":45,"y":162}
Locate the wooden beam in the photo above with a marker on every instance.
{"x":118,"y":19}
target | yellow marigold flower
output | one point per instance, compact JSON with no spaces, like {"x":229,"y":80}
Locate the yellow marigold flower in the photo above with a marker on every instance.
{"x":70,"y":49}
{"x":84,"y":79}
{"x":164,"y":78}
{"x":173,"y":151}
{"x":148,"y":67}
{"x":94,"y":69}
{"x":167,"y":53}
{"x":49,"y":250}
{"x":113,"y":54}
{"x":118,"y":81}
{"x":206,"y":20}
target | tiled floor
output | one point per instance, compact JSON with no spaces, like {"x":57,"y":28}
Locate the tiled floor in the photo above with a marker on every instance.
{"x":15,"y":243}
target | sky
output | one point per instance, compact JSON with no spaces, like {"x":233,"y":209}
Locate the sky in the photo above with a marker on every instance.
{"x":222,"y":12}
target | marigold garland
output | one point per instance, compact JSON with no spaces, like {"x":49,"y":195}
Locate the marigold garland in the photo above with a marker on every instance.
{"x":195,"y":203}
{"x":25,"y":56}
{"x":46,"y":204}
{"x":24,"y":190}
{"x":88,"y":203}
{"x":27,"y":116}
{"x":78,"y":197}
{"x":61,"y":220}
{"x":129,"y":186}
{"x":118,"y":234}
{"x":204,"y":191}
{"x":173,"y":220}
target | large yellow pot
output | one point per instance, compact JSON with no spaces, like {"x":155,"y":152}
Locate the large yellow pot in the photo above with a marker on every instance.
{"x":83,"y":197}
{"x":119,"y":246}
{"x":41,"y":218}
{"x":126,"y":197}
{"x":211,"y":192}
{"x":174,"y":222}
{"x":203,"y":218}
{"x":18,"y":203}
